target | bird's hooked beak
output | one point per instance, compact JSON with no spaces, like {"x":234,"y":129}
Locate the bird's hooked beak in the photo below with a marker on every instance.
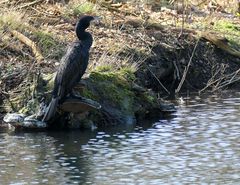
{"x":96,"y":20}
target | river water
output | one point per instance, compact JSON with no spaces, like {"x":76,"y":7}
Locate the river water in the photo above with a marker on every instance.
{"x":199,"y":144}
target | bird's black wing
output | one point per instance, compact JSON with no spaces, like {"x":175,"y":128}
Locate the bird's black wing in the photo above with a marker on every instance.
{"x":71,"y":69}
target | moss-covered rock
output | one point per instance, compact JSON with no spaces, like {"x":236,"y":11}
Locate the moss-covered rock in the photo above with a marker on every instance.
{"x":114,"y":91}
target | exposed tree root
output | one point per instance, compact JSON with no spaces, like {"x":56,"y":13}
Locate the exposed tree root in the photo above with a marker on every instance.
{"x":36,"y":51}
{"x":219,"y":42}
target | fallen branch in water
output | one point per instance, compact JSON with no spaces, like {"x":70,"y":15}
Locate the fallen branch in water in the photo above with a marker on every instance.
{"x":230,"y":79}
{"x":213,"y":79}
{"x":36,"y":51}
{"x":223,"y":80}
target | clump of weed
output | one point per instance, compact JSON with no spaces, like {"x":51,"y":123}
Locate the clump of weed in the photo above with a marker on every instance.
{"x":50,"y":46}
{"x":230,"y":31}
{"x":83,"y":8}
{"x":77,"y":9}
{"x":115,"y":62}
{"x":226,"y":26}
{"x":13,"y":20}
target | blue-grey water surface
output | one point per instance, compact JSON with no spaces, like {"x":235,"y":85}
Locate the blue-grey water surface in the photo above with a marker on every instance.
{"x":200,"y":144}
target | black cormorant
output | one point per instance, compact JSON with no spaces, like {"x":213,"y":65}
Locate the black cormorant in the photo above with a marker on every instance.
{"x":72,"y":66}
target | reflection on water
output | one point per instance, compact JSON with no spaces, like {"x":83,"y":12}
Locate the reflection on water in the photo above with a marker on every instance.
{"x":200,"y":145}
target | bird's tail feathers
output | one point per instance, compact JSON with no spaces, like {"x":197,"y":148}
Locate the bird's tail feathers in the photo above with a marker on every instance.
{"x":51,"y":110}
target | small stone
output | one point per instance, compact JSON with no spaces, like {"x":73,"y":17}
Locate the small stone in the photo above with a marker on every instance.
{"x":14,"y":118}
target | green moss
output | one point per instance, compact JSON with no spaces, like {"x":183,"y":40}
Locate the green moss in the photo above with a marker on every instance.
{"x":226,"y":26}
{"x":117,"y":94}
{"x":104,"y":68}
{"x":110,"y":77}
{"x":230,"y":31}
{"x":30,"y":108}
{"x":114,"y":87}
{"x":20,"y":103}
{"x":15,"y":103}
{"x":89,"y":94}
{"x":120,"y":77}
{"x":149,"y":98}
{"x":128,"y":73}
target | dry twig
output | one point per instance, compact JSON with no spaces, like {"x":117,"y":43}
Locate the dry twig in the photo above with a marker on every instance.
{"x":159,"y":81}
{"x":230,"y":79}
{"x":222,"y":81}
{"x":186,"y":68}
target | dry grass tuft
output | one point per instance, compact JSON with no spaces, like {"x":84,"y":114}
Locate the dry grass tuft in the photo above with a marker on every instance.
{"x":13,"y":19}
{"x":115,"y":62}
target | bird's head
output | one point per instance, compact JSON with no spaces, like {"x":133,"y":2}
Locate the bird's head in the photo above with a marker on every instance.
{"x":84,"y":22}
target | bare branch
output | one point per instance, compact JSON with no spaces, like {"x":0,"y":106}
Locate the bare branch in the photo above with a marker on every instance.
{"x":186,"y":69}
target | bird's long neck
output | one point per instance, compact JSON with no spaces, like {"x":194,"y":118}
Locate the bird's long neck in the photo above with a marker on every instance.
{"x":85,"y":38}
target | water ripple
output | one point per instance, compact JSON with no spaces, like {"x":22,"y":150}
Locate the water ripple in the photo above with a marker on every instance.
{"x":200,"y":145}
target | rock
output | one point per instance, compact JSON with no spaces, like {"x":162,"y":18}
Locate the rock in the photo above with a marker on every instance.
{"x":21,"y":121}
{"x":14,"y":118}
{"x":30,"y":122}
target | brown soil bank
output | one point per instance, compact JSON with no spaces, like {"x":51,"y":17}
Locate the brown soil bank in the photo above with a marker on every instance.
{"x":190,"y":63}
